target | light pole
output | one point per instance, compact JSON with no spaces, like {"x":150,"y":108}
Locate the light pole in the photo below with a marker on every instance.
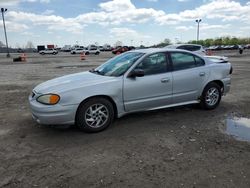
{"x":3,"y":10}
{"x":198,"y":28}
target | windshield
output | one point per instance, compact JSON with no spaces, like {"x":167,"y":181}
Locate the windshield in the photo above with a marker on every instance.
{"x":118,"y":65}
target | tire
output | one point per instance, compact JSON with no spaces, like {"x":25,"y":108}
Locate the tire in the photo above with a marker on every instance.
{"x":211,"y":96}
{"x":42,"y":53}
{"x":97,"y":53}
{"x":87,"y":53}
{"x":90,"y":121}
{"x":54,"y":53}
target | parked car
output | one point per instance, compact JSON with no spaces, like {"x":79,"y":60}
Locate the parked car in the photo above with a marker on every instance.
{"x":247,"y":46}
{"x":189,"y":47}
{"x":92,"y":49}
{"x":20,"y":50}
{"x":107,"y":47}
{"x":226,"y":47}
{"x":120,"y":49}
{"x":66,"y":48}
{"x":137,"y":80}
{"x":211,"y":48}
{"x":101,"y":48}
{"x":77,"y":51}
{"x":131,"y":48}
{"x":48,"y":51}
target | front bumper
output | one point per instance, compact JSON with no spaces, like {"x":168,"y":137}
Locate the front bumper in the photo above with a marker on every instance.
{"x":52,"y":114}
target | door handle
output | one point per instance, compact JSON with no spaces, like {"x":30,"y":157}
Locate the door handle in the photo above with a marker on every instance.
{"x":202,"y":73}
{"x":164,"y":80}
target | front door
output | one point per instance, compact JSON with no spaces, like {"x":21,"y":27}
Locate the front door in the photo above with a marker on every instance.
{"x":152,"y":90}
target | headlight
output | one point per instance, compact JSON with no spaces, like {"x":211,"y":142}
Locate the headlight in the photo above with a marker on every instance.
{"x":49,"y":99}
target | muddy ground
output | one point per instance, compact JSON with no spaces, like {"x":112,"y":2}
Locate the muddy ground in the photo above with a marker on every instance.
{"x":176,"y":147}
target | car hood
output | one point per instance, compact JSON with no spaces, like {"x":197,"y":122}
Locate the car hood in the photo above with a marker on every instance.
{"x":71,"y":82}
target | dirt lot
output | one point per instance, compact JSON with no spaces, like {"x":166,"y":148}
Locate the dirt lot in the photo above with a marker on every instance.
{"x":177,"y":147}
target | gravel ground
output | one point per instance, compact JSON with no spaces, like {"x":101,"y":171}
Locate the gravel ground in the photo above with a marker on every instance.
{"x":176,"y":147}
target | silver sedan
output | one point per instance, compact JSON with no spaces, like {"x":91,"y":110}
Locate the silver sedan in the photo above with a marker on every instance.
{"x":135,"y":81}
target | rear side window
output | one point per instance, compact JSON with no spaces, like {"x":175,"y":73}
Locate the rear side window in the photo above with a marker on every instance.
{"x":182,"y":61}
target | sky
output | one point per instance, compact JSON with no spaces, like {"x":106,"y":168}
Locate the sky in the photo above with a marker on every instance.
{"x":133,"y":22}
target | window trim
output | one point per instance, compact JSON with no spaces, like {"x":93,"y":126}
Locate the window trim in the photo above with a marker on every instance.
{"x":171,"y":62}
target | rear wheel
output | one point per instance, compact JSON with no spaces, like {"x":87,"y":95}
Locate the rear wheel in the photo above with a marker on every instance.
{"x":86,"y":53}
{"x":97,"y":53}
{"x":95,"y":115}
{"x":211,"y":96}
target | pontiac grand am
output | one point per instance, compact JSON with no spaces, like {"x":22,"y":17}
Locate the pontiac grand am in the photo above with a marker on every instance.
{"x":134,"y":81}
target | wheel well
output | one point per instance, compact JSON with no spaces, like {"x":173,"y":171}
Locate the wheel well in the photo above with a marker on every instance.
{"x":100,"y":96}
{"x":220,"y":83}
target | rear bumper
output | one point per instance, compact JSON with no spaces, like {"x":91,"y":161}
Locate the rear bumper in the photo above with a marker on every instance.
{"x":227,"y":85}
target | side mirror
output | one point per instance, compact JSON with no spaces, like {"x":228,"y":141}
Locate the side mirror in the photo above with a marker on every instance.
{"x":136,"y":73}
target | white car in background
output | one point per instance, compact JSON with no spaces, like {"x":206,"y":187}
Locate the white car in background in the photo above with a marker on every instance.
{"x":48,"y":51}
{"x":92,"y":49}
{"x":77,"y":51}
{"x":189,"y":47}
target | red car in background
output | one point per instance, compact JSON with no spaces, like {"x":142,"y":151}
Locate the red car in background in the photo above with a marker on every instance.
{"x":120,"y":49}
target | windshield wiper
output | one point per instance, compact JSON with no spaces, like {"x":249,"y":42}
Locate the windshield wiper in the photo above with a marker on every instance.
{"x":96,"y":71}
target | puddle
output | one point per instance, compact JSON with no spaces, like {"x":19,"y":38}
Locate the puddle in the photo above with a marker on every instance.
{"x":238,"y":128}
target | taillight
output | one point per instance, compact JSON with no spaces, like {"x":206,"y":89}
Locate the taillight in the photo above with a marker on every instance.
{"x":231,"y":70}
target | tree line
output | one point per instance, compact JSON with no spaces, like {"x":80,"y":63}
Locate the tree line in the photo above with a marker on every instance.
{"x":222,"y":41}
{"x":210,"y":42}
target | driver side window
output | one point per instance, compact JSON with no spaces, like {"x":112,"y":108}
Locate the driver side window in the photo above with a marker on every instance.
{"x":154,"y":64}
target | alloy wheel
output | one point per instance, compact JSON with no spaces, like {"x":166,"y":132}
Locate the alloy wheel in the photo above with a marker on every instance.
{"x":96,"y":115}
{"x":212,"y":96}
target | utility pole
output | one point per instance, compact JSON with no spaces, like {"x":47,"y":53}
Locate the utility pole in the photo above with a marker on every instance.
{"x":198,"y":28}
{"x":3,"y":10}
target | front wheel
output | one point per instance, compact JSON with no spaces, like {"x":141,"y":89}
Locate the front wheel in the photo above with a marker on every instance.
{"x":211,"y":96}
{"x":95,"y":115}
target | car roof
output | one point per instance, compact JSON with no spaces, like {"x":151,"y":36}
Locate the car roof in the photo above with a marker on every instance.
{"x":154,"y":50}
{"x":177,"y":45}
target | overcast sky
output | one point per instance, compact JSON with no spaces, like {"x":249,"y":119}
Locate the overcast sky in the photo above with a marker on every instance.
{"x":130,"y":21}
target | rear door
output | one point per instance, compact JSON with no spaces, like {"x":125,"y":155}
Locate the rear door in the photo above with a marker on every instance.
{"x":152,"y":90}
{"x":189,"y":76}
